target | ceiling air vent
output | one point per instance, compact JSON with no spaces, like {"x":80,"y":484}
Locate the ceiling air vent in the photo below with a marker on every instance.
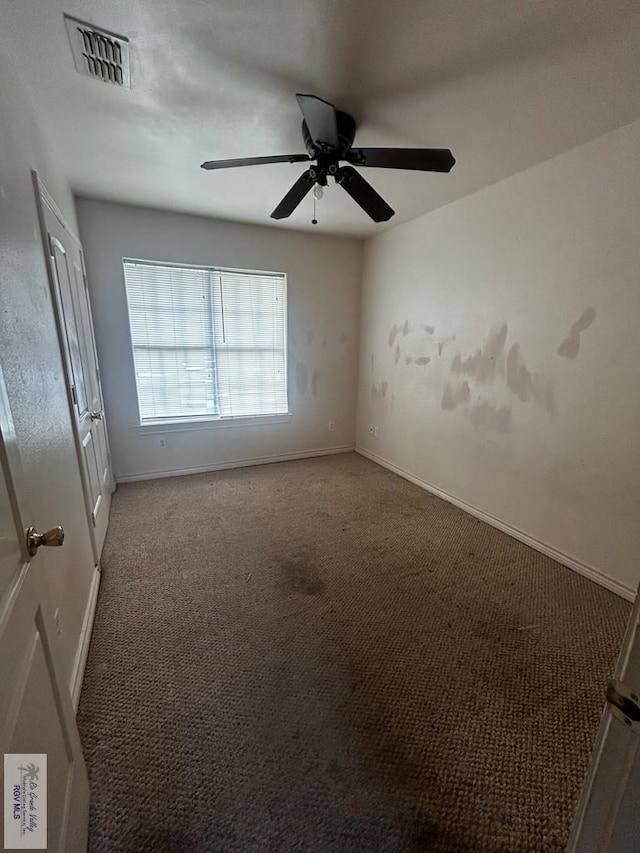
{"x":98,"y":53}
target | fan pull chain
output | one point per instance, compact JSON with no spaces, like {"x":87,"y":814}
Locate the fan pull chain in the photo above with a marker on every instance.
{"x":314,"y":221}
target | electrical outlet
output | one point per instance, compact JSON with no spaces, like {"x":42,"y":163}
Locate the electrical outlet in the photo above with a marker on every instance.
{"x":162,"y":443}
{"x":332,"y":426}
{"x":375,"y":432}
{"x":56,"y":621}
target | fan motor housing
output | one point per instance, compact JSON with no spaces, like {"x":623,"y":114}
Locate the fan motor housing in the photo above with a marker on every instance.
{"x":346,"y":134}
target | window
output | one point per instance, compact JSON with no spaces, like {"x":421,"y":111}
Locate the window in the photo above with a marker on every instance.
{"x":207,"y":343}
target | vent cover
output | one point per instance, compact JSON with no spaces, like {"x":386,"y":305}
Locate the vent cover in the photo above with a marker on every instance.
{"x":98,"y":53}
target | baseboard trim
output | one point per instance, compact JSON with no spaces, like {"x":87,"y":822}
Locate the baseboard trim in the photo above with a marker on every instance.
{"x":85,"y":640}
{"x":238,"y":463}
{"x":548,"y":550}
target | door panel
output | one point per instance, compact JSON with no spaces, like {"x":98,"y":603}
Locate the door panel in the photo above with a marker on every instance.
{"x":36,"y":714}
{"x":93,"y":472}
{"x":63,"y":276}
{"x":103,"y":455}
{"x":82,"y":323}
{"x":98,"y":428}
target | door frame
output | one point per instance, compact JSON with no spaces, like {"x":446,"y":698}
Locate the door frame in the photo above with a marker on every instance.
{"x":11,"y":462}
{"x":45,"y":199}
{"x":609,"y":776}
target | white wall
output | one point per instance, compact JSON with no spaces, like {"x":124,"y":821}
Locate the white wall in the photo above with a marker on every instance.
{"x":31,"y":362}
{"x":324,"y":277}
{"x":522,"y":302}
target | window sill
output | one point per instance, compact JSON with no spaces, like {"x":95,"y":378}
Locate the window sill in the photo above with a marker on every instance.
{"x":185,"y":425}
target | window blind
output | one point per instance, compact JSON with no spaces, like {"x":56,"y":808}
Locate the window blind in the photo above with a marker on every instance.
{"x":207,"y":342}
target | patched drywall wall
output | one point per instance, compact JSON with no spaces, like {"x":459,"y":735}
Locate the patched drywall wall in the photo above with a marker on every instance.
{"x":323,"y":303}
{"x":31,"y":361}
{"x":500,"y":349}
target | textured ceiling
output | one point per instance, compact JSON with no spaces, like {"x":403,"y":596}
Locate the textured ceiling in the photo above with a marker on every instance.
{"x":504,"y":83}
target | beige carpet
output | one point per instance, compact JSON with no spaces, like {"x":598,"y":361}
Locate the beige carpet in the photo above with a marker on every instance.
{"x":319,"y":656}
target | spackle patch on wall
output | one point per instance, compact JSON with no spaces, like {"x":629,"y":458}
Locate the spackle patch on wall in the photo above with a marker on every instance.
{"x":528,"y":386}
{"x":483,"y":368}
{"x":518,"y":375}
{"x":302,"y":378}
{"x":379,"y":392}
{"x":482,"y":365}
{"x":486,"y":414}
{"x":442,"y":344}
{"x":451,"y":398}
{"x":570,"y":346}
{"x":316,"y":380}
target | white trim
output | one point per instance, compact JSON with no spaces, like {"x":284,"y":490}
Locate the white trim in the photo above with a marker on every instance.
{"x":48,"y":199}
{"x":180,"y":265}
{"x":548,"y":550}
{"x":187,"y":424}
{"x":238,"y":463}
{"x":84,"y":641}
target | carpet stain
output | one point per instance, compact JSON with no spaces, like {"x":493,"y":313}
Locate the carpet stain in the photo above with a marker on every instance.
{"x":302,"y":577}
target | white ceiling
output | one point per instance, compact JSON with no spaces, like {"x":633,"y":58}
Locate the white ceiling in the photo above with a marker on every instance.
{"x":504,"y":83}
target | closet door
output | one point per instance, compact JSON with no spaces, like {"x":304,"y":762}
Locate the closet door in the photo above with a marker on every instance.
{"x":75,"y":331}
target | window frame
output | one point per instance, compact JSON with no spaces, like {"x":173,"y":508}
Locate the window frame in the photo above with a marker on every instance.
{"x":199,"y":422}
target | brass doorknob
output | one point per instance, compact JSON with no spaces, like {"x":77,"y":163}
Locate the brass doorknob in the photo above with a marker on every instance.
{"x":52,"y":537}
{"x":96,"y":416}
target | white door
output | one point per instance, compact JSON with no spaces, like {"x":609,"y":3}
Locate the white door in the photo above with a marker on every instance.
{"x":75,"y":327}
{"x":36,"y":715}
{"x":608,"y":815}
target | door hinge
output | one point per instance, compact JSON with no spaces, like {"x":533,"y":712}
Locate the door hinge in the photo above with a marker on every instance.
{"x":624,"y":704}
{"x":74,"y":396}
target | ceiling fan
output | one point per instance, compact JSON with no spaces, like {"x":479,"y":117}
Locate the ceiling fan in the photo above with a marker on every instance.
{"x":328,"y":135}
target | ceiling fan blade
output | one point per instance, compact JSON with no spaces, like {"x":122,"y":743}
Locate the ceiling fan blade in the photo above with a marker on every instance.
{"x":255,"y":161}
{"x":320,"y":118}
{"x":295,"y":195}
{"x":364,"y":194}
{"x":418,"y":159}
